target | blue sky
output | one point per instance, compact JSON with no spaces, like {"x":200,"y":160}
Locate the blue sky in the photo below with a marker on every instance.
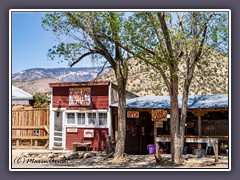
{"x":30,"y":43}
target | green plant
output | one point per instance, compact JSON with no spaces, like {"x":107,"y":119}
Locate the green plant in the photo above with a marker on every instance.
{"x":40,"y":100}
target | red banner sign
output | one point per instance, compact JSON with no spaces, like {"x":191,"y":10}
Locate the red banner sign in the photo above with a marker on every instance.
{"x":132,"y":114}
{"x":88,"y":133}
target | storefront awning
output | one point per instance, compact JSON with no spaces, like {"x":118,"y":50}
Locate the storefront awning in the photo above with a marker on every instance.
{"x":163,"y":102}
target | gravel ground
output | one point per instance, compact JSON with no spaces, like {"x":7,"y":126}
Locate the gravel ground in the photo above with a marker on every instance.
{"x":39,"y":159}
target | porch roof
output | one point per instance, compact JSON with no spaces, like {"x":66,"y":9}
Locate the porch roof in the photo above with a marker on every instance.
{"x":163,"y":102}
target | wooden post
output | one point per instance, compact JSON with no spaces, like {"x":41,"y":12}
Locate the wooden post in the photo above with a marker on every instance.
{"x":17,"y":143}
{"x":36,"y":143}
{"x":216,"y":150}
{"x":156,"y":143}
{"x":199,"y":130}
{"x":200,"y":114}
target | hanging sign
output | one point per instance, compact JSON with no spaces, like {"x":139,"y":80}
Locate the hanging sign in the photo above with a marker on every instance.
{"x":88,"y":133}
{"x":160,"y":114}
{"x":80,"y":96}
{"x":190,"y":124}
{"x":132,"y":114}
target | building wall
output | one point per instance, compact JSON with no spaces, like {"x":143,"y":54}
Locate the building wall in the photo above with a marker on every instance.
{"x":20,"y":101}
{"x":99,"y":104}
{"x":99,"y":97}
{"x":97,"y":143}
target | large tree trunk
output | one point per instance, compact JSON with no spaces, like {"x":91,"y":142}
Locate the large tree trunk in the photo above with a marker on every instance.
{"x":120,"y":145}
{"x":183,"y":119}
{"x":174,"y":122}
{"x":186,"y":86}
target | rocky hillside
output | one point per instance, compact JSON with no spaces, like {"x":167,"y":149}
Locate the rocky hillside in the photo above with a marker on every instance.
{"x":36,"y":86}
{"x":144,"y":80}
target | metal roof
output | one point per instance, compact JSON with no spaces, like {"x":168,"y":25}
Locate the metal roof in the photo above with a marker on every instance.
{"x":163,"y":102}
{"x":71,"y":84}
{"x":20,"y":94}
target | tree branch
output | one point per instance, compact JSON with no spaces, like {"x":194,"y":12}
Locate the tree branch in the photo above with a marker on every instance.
{"x":180,"y":22}
{"x":84,"y":55}
{"x":95,"y":39}
{"x":156,"y":29}
{"x":100,"y":71}
{"x":146,"y":49}
{"x":203,"y":27}
{"x":164,"y":28}
{"x":202,"y":43}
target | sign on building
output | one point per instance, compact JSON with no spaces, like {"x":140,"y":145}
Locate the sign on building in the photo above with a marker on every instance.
{"x":80,"y":96}
{"x":72,"y":130}
{"x":88,"y":133}
{"x":160,"y":114}
{"x":132,"y":114}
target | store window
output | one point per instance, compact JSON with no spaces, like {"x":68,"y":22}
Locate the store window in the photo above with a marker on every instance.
{"x":81,"y":118}
{"x":70,"y":118}
{"x":102,"y":119}
{"x":92,"y":119}
{"x":86,"y":118}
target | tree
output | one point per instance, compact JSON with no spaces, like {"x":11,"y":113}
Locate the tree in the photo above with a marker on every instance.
{"x":175,"y":44}
{"x":94,"y":34}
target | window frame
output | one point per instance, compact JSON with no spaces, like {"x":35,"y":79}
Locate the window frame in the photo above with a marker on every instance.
{"x":103,"y":118}
{"x":82,"y":124}
{"x":86,"y":125}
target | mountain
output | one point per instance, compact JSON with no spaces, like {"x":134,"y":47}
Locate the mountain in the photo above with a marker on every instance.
{"x":61,"y":74}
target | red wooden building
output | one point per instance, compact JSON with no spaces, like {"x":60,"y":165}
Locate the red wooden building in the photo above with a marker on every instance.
{"x":80,"y":113}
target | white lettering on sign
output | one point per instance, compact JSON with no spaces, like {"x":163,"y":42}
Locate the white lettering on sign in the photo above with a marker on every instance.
{"x":72,"y":130}
{"x":88,"y":133}
{"x":132,"y":114}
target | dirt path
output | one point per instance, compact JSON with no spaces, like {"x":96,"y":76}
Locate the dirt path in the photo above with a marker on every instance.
{"x":66,"y":159}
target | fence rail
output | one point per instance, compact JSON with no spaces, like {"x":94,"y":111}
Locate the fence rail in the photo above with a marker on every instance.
{"x":30,"y":129}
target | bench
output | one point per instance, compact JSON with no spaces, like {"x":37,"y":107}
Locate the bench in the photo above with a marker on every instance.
{"x":86,"y":145}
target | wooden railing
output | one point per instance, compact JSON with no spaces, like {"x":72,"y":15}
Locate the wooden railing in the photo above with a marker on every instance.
{"x":191,"y":139}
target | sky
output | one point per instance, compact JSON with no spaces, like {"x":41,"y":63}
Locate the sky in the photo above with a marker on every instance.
{"x":30,"y":43}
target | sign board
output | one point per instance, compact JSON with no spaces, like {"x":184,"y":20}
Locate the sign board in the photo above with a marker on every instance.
{"x":190,"y":124}
{"x":159,"y":124}
{"x":160,"y":114}
{"x":80,"y":96}
{"x":132,"y":114}
{"x":88,"y":133}
{"x":72,"y":130}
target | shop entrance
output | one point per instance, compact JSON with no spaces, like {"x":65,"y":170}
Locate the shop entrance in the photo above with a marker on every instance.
{"x":58,"y":130}
{"x":139,"y":133}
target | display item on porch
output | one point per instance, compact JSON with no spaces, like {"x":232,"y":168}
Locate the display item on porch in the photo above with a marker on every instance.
{"x":151,"y":149}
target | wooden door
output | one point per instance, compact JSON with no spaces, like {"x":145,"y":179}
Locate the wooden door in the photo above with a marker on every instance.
{"x":147,"y":132}
{"x":132,"y":136}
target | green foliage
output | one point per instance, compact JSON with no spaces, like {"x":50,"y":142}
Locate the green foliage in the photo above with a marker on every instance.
{"x":40,"y":100}
{"x":83,"y":32}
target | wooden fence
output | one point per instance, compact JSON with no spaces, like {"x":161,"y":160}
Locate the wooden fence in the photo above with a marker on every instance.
{"x":30,"y":129}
